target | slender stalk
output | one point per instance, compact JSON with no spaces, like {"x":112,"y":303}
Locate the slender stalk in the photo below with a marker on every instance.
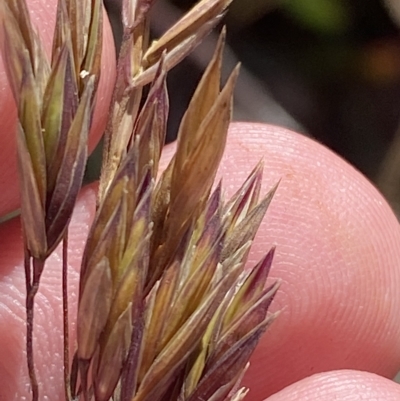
{"x":29,"y":346}
{"x":32,"y":289}
{"x":67,"y":386}
{"x":27,"y":267}
{"x":29,"y":328}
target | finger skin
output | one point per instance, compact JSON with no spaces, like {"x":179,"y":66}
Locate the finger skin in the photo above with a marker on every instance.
{"x":344,"y":385}
{"x":337,"y":255}
{"x":43,"y":16}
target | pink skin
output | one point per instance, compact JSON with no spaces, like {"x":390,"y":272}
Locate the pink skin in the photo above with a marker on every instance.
{"x":337,"y":255}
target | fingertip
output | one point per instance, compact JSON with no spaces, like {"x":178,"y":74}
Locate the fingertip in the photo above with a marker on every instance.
{"x":337,"y":254}
{"x":345,"y":385}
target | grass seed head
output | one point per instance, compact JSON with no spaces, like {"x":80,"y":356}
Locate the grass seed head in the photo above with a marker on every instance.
{"x":166,"y":309}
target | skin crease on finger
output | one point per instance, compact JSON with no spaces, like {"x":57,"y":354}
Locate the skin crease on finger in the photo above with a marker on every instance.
{"x":43,"y":15}
{"x":337,"y":255}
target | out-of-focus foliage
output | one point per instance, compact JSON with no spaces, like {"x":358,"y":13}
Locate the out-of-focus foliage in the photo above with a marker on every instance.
{"x":322,"y":16}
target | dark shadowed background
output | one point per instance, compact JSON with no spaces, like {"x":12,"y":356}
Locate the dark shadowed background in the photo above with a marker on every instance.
{"x":329,"y":69}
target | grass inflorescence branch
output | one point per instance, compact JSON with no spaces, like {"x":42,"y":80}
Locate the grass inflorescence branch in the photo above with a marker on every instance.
{"x":166,"y":308}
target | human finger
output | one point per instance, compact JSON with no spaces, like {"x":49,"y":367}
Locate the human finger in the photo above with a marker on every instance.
{"x":337,"y":254}
{"x":344,"y":385}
